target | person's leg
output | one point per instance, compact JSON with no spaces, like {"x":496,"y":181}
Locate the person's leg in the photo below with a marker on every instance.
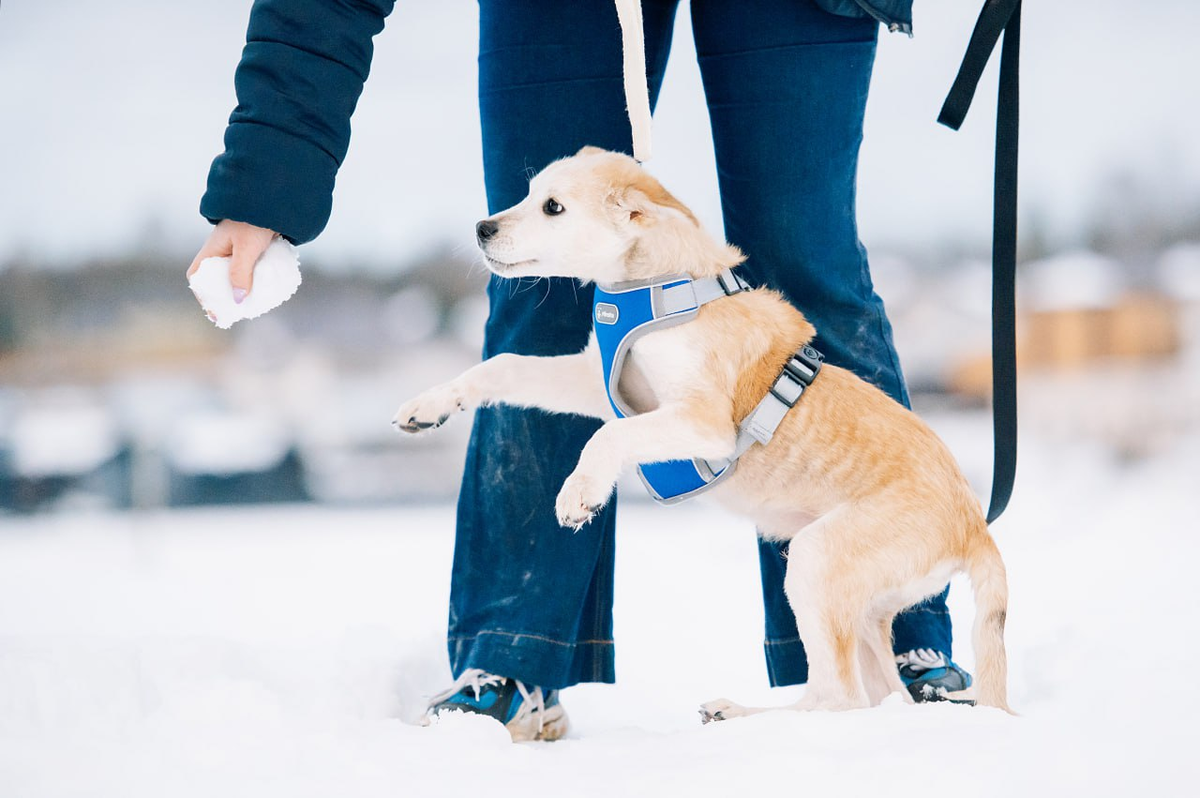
{"x":786,"y":85}
{"x":530,"y":600}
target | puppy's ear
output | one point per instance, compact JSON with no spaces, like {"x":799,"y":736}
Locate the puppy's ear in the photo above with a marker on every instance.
{"x":647,"y":201}
{"x":590,"y":150}
{"x":668,"y":236}
{"x":632,"y":205}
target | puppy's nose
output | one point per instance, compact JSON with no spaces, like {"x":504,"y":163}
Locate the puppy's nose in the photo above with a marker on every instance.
{"x":485,"y":230}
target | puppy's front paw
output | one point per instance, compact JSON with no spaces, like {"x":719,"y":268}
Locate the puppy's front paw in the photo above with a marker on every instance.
{"x":581,"y":496}
{"x":721,"y":709}
{"x":430,"y":410}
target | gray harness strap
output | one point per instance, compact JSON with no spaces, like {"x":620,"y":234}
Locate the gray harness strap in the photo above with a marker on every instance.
{"x":765,"y":418}
{"x":701,"y":291}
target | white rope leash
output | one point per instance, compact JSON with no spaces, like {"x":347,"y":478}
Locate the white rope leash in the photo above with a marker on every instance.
{"x":637,"y":92}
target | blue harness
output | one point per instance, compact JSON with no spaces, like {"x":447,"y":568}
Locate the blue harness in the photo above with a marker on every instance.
{"x":624,"y":312}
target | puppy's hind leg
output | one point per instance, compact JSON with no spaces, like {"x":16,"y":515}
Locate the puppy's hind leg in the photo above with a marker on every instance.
{"x":831,"y":609}
{"x":880,"y":675}
{"x":835,"y":681}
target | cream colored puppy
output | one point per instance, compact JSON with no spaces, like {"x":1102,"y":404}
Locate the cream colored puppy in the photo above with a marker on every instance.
{"x":878,"y":514}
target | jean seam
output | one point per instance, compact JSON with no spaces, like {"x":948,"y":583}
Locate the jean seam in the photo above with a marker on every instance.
{"x":529,"y":46}
{"x":780,"y":47}
{"x":894,"y":356}
{"x":485,"y":90}
{"x":598,"y":620}
{"x":537,"y":637}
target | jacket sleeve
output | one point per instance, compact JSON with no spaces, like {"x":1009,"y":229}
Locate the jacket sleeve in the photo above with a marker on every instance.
{"x":299,"y":79}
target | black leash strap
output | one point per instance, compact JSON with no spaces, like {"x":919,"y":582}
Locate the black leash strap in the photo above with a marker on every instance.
{"x":998,"y":16}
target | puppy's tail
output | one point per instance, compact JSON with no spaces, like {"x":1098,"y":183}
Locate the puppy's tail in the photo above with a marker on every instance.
{"x":988,"y":579}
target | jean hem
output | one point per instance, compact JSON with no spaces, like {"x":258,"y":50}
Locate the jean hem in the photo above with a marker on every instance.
{"x":532,"y":658}
{"x":786,"y":663}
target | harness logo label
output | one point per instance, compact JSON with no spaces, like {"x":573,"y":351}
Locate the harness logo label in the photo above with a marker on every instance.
{"x":606,"y":313}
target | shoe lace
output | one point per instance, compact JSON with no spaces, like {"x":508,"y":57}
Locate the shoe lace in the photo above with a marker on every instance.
{"x":476,"y":679}
{"x":531,"y":701}
{"x":922,"y":659}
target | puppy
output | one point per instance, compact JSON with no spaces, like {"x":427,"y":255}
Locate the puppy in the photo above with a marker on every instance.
{"x":877,"y":513}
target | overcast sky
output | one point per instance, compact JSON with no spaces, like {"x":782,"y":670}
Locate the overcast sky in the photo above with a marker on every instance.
{"x":113,"y":111}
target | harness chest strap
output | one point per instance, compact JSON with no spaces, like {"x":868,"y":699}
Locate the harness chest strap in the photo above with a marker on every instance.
{"x":624,"y":312}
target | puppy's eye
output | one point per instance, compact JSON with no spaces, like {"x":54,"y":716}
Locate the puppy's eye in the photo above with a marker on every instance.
{"x":552,"y":208}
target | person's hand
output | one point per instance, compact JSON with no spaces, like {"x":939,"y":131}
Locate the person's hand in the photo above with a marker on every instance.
{"x":241,"y":242}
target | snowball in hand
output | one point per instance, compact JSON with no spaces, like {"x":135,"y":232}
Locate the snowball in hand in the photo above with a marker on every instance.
{"x":276,"y":278}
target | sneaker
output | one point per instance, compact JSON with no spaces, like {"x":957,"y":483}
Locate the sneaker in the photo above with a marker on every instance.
{"x":931,"y":676}
{"x":527,"y":712}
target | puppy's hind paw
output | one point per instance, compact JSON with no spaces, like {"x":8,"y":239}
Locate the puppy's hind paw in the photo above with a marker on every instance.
{"x":721,"y":709}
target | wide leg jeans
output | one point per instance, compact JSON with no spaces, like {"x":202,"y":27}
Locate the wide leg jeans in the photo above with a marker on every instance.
{"x":786,"y":86}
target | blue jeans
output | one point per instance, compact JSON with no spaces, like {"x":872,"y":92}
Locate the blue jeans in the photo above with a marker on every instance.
{"x":786,"y":85}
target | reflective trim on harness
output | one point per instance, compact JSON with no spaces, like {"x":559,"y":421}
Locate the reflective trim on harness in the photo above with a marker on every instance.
{"x":624,"y":312}
{"x":621,"y":314}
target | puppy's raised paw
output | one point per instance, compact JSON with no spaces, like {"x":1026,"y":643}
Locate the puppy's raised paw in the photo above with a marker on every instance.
{"x":579,"y":500}
{"x":428,"y":411}
{"x":721,"y":709}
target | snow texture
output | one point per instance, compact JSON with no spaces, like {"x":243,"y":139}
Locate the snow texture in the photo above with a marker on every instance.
{"x":276,"y":278}
{"x":264,"y":652}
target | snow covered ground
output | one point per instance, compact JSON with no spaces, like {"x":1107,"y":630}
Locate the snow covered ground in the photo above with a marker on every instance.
{"x":264,"y":652}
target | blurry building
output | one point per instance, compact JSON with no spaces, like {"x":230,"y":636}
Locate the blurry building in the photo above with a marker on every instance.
{"x":1100,"y":352}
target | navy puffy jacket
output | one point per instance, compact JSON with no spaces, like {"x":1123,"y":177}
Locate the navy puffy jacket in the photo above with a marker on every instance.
{"x":299,"y":79}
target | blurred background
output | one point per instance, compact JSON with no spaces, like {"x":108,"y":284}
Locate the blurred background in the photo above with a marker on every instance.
{"x":222,"y":571}
{"x":115,"y":392}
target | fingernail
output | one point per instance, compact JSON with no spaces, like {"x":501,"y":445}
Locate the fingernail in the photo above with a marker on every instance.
{"x":239,"y":295}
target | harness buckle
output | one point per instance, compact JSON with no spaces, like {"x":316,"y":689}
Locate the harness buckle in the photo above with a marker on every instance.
{"x":738,"y":284}
{"x":788,"y":402}
{"x":805,"y":365}
{"x":798,"y":373}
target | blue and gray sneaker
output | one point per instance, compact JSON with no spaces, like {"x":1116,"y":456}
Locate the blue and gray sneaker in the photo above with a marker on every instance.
{"x":527,"y":712}
{"x":931,"y":676}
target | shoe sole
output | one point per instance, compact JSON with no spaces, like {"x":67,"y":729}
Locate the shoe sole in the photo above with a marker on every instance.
{"x":928,"y":694}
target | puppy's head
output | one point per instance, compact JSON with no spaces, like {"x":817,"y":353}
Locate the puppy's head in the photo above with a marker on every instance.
{"x":598,"y":216}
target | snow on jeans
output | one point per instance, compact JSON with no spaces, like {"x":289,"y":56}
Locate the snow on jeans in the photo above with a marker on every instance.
{"x":786,"y":85}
